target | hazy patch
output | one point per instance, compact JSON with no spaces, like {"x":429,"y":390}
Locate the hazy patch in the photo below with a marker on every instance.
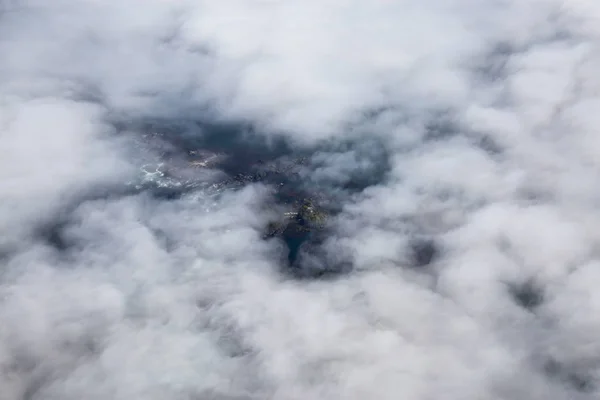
{"x":146,"y":146}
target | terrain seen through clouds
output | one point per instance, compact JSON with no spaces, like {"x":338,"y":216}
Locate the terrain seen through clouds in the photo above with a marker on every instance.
{"x":297,"y":200}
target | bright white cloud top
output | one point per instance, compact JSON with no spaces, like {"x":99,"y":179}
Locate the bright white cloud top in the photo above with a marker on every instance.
{"x":473,"y":239}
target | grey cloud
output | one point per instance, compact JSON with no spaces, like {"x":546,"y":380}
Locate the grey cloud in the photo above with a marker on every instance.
{"x":146,"y":145}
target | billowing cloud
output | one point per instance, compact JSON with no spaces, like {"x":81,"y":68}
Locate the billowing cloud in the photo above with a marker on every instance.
{"x":447,"y":151}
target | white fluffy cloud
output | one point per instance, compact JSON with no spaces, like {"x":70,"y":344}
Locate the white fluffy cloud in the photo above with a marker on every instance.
{"x":474,"y":247}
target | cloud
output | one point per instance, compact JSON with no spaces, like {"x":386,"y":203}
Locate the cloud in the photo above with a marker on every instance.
{"x":452,"y":142}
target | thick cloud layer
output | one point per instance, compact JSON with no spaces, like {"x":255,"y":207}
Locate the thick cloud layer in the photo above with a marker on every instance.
{"x":454,"y":143}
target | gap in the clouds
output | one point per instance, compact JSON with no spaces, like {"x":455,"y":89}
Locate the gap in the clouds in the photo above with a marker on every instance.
{"x":55,"y":236}
{"x":349,"y":165}
{"x":423,"y":251}
{"x":528,"y":294}
{"x":325,"y":175}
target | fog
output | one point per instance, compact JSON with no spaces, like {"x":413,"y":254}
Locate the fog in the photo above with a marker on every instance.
{"x":453,"y":144}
